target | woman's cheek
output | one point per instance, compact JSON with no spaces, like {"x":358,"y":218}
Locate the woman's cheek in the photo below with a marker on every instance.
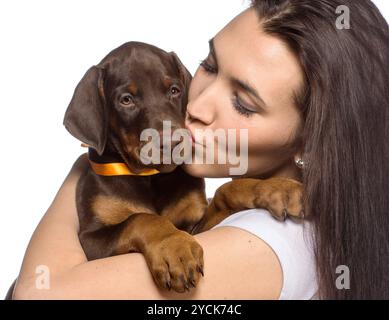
{"x":265,"y":150}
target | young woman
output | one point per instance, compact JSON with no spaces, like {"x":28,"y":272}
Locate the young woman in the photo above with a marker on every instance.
{"x":315,"y":99}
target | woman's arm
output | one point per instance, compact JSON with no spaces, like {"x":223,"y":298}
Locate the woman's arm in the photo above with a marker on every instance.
{"x":237,"y":264}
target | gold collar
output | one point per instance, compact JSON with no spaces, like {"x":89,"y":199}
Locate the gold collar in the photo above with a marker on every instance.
{"x":115,"y":168}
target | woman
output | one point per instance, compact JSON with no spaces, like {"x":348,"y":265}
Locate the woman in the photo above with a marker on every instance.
{"x":315,"y":99}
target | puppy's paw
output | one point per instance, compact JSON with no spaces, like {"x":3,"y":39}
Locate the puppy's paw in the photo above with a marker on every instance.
{"x":175,"y":261}
{"x":282,"y":197}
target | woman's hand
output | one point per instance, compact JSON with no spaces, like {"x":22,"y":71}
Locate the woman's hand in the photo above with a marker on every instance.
{"x":237,"y":264}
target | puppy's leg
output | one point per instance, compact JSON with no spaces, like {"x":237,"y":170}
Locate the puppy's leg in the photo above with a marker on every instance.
{"x":174,"y":257}
{"x":280,"y":196}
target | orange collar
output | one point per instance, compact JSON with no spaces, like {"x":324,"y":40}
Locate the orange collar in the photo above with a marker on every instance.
{"x":118,"y":169}
{"x":114,"y":168}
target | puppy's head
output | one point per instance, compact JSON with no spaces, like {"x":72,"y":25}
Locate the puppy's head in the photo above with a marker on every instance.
{"x":135,"y":87}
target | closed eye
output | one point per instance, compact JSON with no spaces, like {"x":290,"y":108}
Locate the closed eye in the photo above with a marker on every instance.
{"x":241,"y":108}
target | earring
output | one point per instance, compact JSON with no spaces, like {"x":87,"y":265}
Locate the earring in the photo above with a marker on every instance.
{"x":300,"y":163}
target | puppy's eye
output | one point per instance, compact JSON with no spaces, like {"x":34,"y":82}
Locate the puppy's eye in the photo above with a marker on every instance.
{"x":174,"y":91}
{"x":126,"y":99}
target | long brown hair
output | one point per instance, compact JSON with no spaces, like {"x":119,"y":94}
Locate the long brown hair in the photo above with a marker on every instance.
{"x":345,"y":106}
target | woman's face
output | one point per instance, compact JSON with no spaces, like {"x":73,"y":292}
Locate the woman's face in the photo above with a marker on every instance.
{"x":248,"y":81}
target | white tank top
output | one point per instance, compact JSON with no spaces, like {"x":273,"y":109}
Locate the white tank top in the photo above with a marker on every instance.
{"x":291,"y":241}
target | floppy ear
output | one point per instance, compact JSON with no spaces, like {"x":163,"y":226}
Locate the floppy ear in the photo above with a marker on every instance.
{"x":186,"y":77}
{"x":85,"y":117}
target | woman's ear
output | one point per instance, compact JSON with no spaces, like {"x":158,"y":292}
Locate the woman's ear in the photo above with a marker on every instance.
{"x":86,"y":115}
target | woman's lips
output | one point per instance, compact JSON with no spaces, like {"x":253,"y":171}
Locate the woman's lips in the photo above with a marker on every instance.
{"x":193,"y":137}
{"x":194,"y":141}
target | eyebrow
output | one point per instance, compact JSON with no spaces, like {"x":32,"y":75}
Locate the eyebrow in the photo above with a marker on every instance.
{"x":240,"y":83}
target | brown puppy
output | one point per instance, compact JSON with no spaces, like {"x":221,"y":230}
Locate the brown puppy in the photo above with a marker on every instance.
{"x":135,"y":87}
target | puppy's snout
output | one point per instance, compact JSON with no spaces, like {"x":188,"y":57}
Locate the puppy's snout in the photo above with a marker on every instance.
{"x":166,"y":140}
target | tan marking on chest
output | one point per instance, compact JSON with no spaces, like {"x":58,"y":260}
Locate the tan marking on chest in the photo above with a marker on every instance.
{"x":114,"y":210}
{"x":187,"y":210}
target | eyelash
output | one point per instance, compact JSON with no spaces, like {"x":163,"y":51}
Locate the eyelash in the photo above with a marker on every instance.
{"x":239,"y":107}
{"x":208,"y":68}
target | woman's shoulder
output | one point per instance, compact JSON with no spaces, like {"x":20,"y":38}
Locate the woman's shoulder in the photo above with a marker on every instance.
{"x":292,"y":243}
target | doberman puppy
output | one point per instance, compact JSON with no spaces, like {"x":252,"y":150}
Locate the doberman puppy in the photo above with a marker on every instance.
{"x":125,"y":205}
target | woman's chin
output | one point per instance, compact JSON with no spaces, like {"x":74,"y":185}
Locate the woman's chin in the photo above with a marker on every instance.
{"x":203,"y":170}
{"x":194,"y":170}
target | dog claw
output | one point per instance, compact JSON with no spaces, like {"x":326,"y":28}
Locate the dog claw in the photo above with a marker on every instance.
{"x":200,"y":269}
{"x":168,"y":285}
{"x":193,"y":283}
{"x":284,"y":214}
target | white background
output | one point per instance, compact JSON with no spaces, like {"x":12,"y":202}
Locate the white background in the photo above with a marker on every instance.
{"x":45,"y":48}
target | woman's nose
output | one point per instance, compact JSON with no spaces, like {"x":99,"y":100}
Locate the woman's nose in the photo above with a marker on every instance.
{"x":203,"y":107}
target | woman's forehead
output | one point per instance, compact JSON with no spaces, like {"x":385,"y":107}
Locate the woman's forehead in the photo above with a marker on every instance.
{"x":246,"y":52}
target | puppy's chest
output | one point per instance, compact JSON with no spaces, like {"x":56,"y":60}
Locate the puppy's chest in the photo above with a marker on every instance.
{"x":118,"y":198}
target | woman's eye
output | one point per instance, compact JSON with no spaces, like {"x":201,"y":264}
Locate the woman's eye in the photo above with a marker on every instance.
{"x":207,"y":66}
{"x":241,"y":108}
{"x":174,"y":91}
{"x":126,"y":100}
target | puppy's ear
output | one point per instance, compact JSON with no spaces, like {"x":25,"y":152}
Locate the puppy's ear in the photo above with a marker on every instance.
{"x":86,"y":116}
{"x":186,"y":77}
